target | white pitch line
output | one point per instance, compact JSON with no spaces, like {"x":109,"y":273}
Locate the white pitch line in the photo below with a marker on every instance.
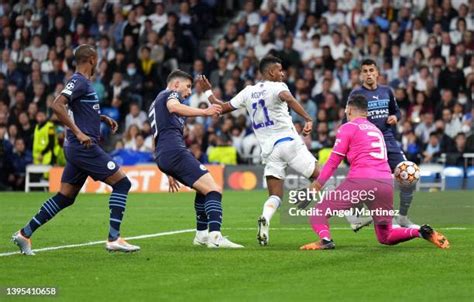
{"x":52,"y":248}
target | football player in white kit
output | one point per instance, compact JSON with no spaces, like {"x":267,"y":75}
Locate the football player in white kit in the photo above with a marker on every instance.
{"x":267,"y":104}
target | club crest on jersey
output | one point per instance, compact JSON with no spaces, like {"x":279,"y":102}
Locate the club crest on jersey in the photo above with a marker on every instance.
{"x":202,"y":167}
{"x":111,"y":165}
{"x":96,"y":106}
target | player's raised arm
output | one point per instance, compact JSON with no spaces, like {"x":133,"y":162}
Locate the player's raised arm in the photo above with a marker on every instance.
{"x":174,"y":106}
{"x":207,"y":88}
{"x":287,"y":97}
{"x":59,"y":106}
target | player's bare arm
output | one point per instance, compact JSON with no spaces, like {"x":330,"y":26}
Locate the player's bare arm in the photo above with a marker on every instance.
{"x":207,"y":88}
{"x":110,"y":122}
{"x":394,"y":111}
{"x":173,"y":185}
{"x":392,"y":120}
{"x":286,"y":96}
{"x":174,"y":106}
{"x":59,"y":106}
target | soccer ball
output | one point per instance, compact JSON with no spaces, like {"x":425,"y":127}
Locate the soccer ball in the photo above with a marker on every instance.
{"x":407,"y":173}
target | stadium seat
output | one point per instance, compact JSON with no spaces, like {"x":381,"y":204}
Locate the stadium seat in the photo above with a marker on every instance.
{"x":454,"y":178}
{"x":32,"y":183}
{"x":429,"y":174}
{"x":470,"y":178}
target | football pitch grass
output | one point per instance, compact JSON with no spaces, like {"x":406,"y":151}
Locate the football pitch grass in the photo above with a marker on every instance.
{"x":169,"y":267}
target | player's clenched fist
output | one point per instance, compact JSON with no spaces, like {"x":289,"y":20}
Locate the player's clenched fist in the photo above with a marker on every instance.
{"x":213,"y":110}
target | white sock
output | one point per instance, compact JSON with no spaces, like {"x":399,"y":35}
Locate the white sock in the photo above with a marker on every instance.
{"x":270,"y":207}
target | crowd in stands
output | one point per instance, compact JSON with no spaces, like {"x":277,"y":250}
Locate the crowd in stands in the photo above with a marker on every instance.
{"x":423,"y":48}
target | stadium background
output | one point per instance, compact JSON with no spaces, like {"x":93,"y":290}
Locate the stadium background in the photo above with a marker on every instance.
{"x":224,"y":40}
{"x":423,"y":50}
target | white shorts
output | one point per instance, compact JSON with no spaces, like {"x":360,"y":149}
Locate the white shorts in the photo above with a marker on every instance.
{"x":292,"y":154}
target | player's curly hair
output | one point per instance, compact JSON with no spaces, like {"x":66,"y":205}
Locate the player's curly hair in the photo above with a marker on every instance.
{"x":267,"y":62}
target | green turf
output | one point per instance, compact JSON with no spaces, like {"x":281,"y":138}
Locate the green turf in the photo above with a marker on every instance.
{"x":170,"y":268}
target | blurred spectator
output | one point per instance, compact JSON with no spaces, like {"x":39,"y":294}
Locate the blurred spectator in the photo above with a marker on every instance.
{"x":455,"y":158}
{"x":452,"y":77}
{"x":307,"y":104}
{"x":130,"y":137}
{"x":219,"y":76}
{"x":135,"y":117}
{"x":21,"y":158}
{"x":44,"y":141}
{"x":452,"y":126}
{"x":424,"y":130}
{"x":424,"y":51}
{"x":432,"y":149}
{"x":39,"y":51}
{"x":223,"y":152}
{"x":6,"y":157}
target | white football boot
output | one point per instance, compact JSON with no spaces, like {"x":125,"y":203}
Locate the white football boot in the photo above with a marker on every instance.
{"x":359,"y":222}
{"x":120,"y":245}
{"x":201,"y":238}
{"x":263,"y":235}
{"x":217,"y":241}
{"x":23,"y":243}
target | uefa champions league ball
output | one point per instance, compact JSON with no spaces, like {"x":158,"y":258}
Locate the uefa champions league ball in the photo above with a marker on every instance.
{"x":407,"y":173}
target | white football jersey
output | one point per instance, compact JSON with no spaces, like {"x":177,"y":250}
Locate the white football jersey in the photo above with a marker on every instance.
{"x":269,"y":115}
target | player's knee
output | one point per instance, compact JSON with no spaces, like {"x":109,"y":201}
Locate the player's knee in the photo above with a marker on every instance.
{"x":122,"y":185}
{"x":213,"y":188}
{"x":383,"y":240}
{"x":382,"y":234}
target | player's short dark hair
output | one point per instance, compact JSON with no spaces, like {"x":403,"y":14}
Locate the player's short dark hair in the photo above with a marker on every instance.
{"x":366,"y":62}
{"x":358,"y":101}
{"x":84,"y":52}
{"x":267,"y":62}
{"x":179,"y":74}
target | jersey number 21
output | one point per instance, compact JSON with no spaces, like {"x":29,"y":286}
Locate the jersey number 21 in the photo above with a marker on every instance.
{"x":267,"y":121}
